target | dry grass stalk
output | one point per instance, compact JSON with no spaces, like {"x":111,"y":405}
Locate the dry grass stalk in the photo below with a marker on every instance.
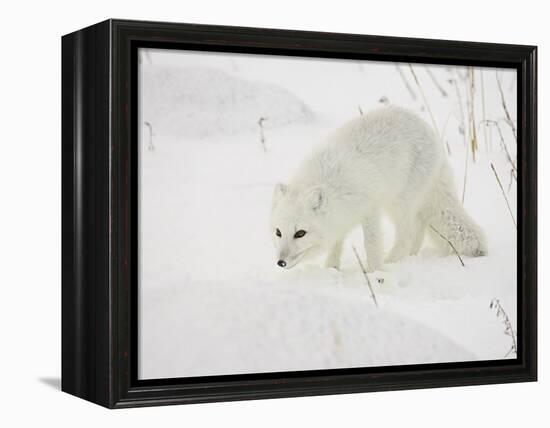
{"x":151,"y":146}
{"x":443,"y":131}
{"x":512,"y":179}
{"x":448,"y":147}
{"x":508,"y":330}
{"x":262,"y":136}
{"x":509,"y":120}
{"x":436,"y":83}
{"x":425,"y":100}
{"x":450,"y":243}
{"x":366,"y":276}
{"x":471,"y":112}
{"x":504,"y":194}
{"x":483,"y":116}
{"x":465,"y":176}
{"x":462,"y":128}
{"x":503,"y":146}
{"x":406,"y":82}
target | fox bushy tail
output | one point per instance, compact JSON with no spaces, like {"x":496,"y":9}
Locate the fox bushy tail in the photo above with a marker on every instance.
{"x":445,"y":213}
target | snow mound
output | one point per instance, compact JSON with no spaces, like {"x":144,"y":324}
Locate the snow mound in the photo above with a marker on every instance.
{"x":203,"y":102}
{"x":270,"y":327}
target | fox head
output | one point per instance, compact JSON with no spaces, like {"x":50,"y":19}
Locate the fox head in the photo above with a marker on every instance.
{"x":297,"y":223}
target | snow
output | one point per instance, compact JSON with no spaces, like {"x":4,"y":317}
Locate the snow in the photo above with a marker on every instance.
{"x":273,"y":327}
{"x":211,"y":298}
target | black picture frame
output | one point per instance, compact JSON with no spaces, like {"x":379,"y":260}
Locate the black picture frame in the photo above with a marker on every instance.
{"x":99,"y":213}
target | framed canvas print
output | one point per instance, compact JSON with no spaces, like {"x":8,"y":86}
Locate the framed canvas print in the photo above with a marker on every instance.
{"x":253,"y":213}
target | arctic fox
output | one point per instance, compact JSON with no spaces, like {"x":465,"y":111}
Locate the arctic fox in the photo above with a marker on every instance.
{"x":387,"y":161}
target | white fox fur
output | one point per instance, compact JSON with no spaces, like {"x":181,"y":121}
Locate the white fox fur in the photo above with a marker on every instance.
{"x":388,"y":161}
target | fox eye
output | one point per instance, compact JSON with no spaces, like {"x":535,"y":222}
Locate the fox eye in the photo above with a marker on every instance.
{"x":299,"y":234}
{"x":278,"y":233}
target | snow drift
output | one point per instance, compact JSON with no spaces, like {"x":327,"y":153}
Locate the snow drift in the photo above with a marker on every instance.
{"x":255,"y":329}
{"x":203,"y":102}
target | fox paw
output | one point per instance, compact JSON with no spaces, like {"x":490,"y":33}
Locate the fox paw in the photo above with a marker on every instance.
{"x":331,"y":264}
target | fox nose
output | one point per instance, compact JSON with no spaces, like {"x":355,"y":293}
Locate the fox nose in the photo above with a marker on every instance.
{"x":281,"y":263}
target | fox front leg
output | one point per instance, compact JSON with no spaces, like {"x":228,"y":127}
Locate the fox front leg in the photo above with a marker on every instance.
{"x":334,"y":256}
{"x":372,"y":237}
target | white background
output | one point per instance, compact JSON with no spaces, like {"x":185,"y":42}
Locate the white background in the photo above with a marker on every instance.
{"x":30,"y":272}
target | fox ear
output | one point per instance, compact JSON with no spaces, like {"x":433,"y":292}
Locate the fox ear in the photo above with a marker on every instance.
{"x":279,"y":191}
{"x":317,"y":199}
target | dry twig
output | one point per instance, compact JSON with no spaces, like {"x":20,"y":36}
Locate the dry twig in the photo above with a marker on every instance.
{"x":450,"y":243}
{"x":503,"y":145}
{"x":436,"y":83}
{"x":406,"y":82}
{"x":504,"y":194}
{"x":509,"y":120}
{"x":508,"y":330}
{"x":262,"y":136}
{"x":366,"y":276}
{"x":425,"y":100}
